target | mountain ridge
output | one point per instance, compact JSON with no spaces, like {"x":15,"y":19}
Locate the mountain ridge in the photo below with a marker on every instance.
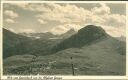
{"x":84,"y":36}
{"x":93,"y":52}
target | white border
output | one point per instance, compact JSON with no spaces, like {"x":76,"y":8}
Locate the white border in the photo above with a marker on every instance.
{"x":65,"y":77}
{"x":63,"y":1}
{"x":1,"y":43}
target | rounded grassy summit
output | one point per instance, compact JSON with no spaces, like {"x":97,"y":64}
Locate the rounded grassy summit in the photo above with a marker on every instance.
{"x":85,"y":36}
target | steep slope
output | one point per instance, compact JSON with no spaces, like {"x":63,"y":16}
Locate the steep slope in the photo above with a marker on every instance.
{"x":68,"y":34}
{"x":15,"y":44}
{"x":10,"y":42}
{"x":84,"y":36}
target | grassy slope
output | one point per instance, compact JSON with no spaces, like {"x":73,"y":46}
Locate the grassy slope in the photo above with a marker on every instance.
{"x":99,"y":58}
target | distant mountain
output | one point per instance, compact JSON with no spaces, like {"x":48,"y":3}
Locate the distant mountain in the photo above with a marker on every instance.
{"x":46,"y":35}
{"x":17,"y":44}
{"x":49,"y":35}
{"x":30,"y":43}
{"x":68,"y":34}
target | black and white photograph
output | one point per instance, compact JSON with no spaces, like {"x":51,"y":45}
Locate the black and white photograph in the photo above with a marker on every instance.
{"x":74,"y":39}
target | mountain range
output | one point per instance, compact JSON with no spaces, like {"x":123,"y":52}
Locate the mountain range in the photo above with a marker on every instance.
{"x":93,"y":50}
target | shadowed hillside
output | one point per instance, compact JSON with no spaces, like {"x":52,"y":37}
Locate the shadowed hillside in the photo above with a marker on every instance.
{"x":94,"y":52}
{"x":15,"y":44}
{"x":84,"y":36}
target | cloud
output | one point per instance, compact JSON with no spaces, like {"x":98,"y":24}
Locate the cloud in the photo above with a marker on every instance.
{"x":114,"y":31}
{"x":115,"y":20}
{"x":104,"y":9}
{"x":70,"y":14}
{"x":64,"y":14}
{"x":9,"y":20}
{"x":11,"y":14}
{"x":20,"y":5}
{"x":42,"y":21}
{"x":26,"y":31}
{"x":60,"y":29}
{"x":12,"y":30}
{"x":31,"y":7}
{"x":73,"y":14}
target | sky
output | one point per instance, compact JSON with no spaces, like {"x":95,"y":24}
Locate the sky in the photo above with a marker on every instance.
{"x":58,"y":18}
